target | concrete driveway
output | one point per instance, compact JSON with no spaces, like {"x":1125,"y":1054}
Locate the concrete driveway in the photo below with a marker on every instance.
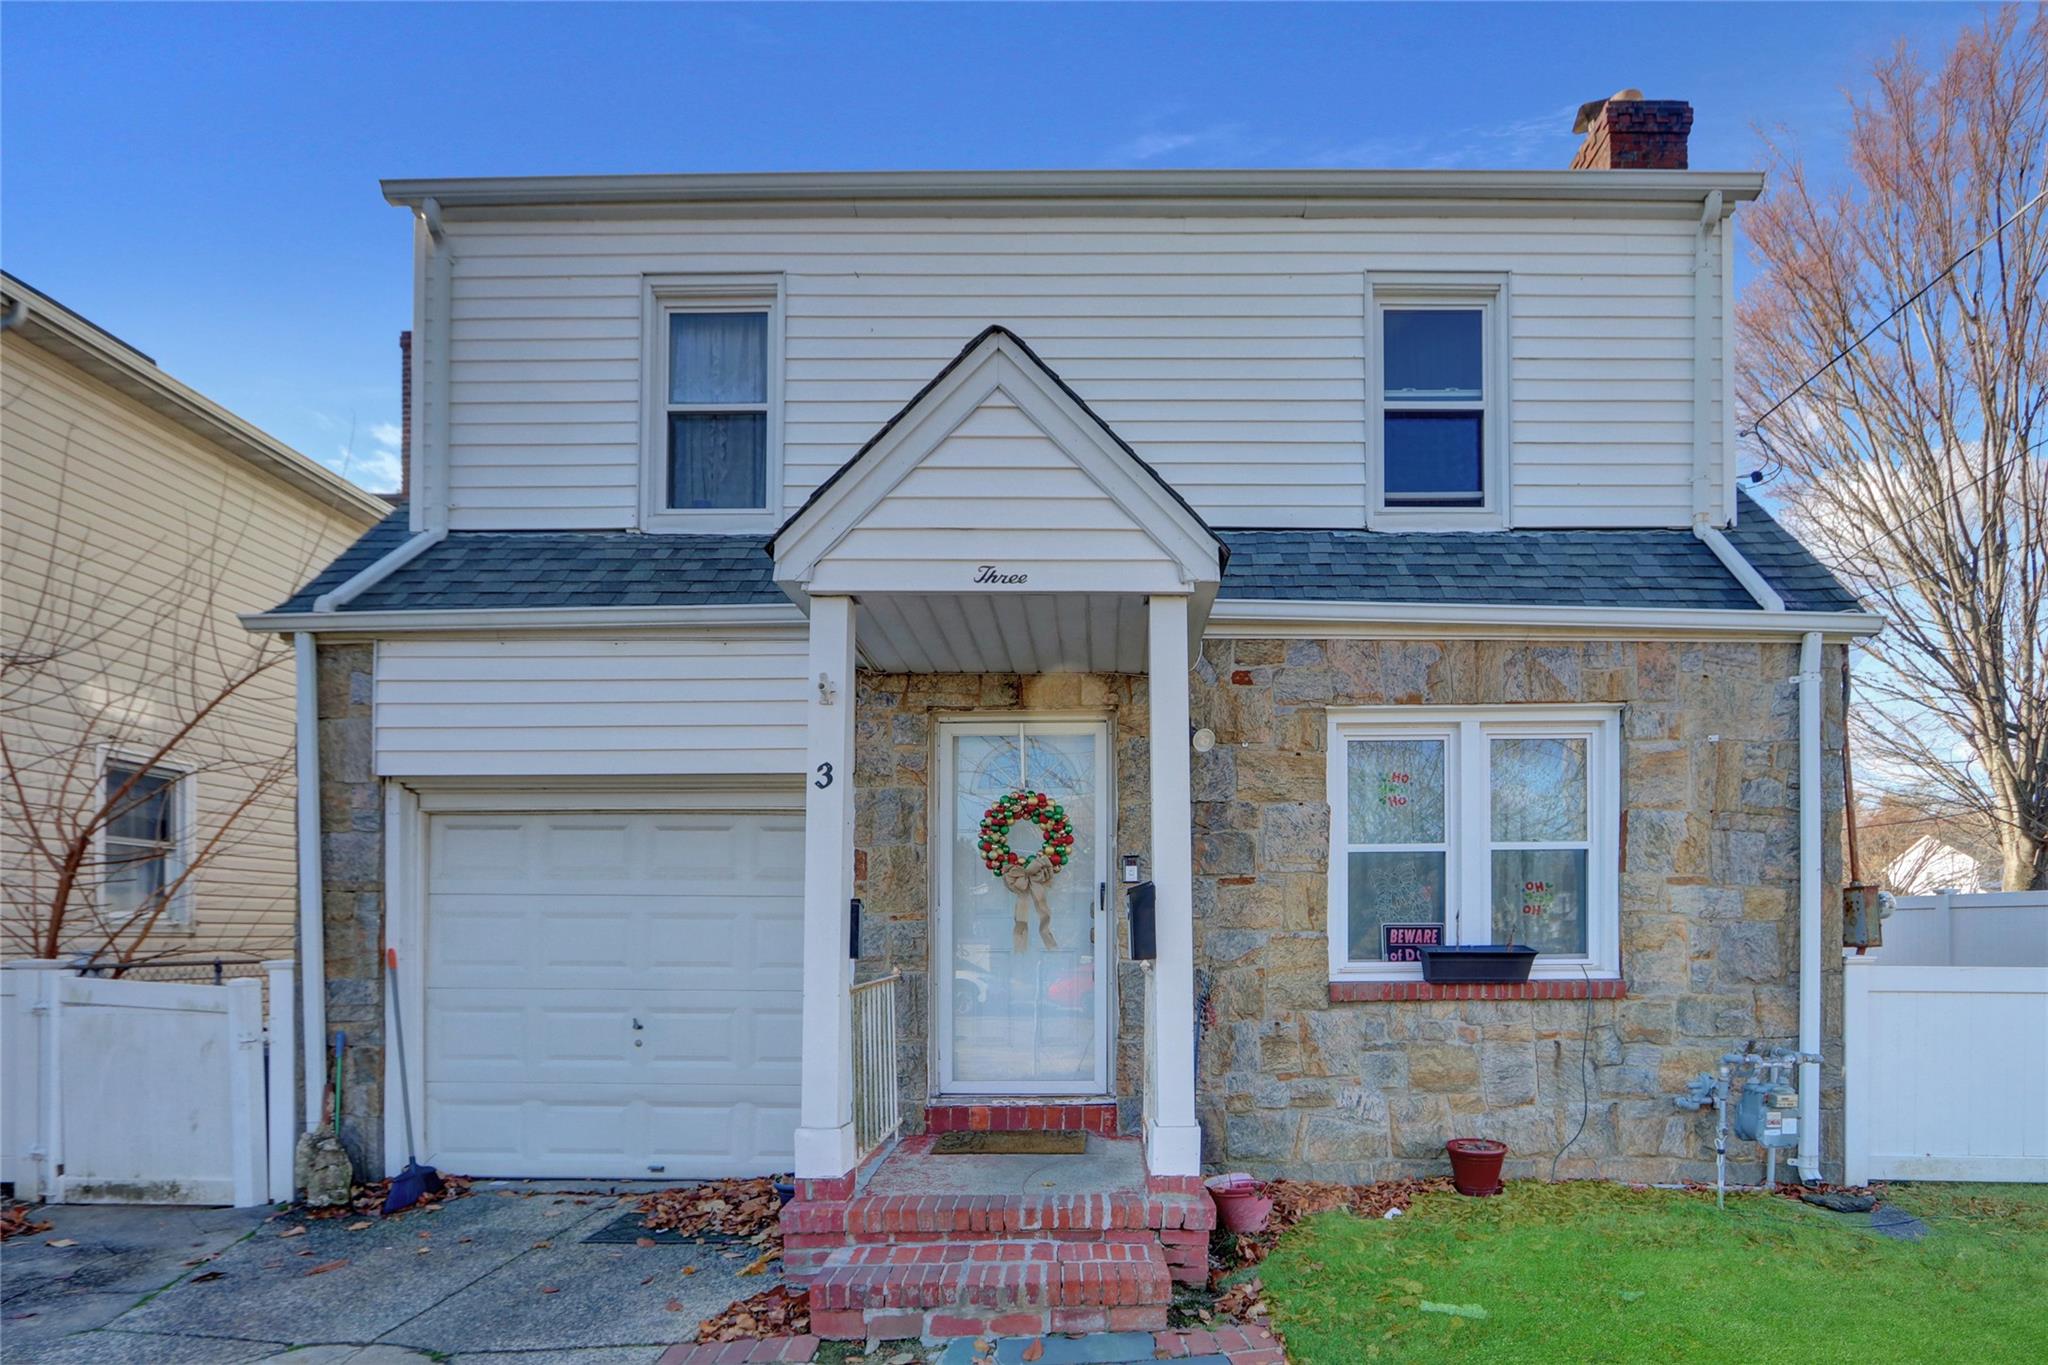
{"x":516,"y":1273}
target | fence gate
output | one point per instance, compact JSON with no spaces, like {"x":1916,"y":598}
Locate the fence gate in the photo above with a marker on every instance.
{"x":142,"y":1092}
{"x":1945,"y":1040}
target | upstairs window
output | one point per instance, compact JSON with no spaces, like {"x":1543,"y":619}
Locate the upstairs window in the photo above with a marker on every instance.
{"x":1437,"y":457}
{"x":145,"y":845}
{"x":712,"y":461}
{"x":1434,"y":432}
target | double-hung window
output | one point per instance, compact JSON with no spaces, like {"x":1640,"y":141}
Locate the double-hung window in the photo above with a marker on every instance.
{"x":145,"y":844}
{"x":1473,"y":826}
{"x":1438,"y":424}
{"x":714,"y":428}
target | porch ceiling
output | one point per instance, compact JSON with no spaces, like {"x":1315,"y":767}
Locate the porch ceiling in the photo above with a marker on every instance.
{"x":1002,"y":633}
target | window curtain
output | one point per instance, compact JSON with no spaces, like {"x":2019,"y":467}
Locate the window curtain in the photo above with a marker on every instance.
{"x":718,"y":358}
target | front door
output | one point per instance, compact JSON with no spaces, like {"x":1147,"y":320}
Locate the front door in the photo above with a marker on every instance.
{"x":1023,"y":986}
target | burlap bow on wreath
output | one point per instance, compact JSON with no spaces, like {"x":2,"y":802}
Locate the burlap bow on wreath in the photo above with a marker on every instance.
{"x":1027,"y":878}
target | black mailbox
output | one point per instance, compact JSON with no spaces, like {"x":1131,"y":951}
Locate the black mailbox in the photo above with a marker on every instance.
{"x":853,"y":930}
{"x":1144,"y":922}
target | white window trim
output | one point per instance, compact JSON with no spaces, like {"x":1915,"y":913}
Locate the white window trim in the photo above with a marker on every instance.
{"x":1466,"y":732}
{"x":660,"y":296}
{"x":1407,"y":289}
{"x":178,"y":915}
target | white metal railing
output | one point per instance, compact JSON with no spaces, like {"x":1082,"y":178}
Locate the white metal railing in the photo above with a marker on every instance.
{"x":877,"y":1113}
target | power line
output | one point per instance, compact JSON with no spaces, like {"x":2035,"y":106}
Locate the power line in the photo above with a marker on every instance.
{"x":1908,"y":302}
{"x":1998,"y":468}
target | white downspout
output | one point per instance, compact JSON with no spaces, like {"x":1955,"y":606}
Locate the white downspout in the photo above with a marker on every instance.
{"x":1706,"y":292}
{"x":1812,"y":721}
{"x":1745,"y":572}
{"x":390,"y":562}
{"x":312,"y":931}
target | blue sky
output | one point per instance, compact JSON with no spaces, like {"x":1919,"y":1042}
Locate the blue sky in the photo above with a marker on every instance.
{"x":202,"y":180}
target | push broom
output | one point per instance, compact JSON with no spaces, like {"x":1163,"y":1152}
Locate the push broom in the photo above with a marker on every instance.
{"x":415,"y":1181}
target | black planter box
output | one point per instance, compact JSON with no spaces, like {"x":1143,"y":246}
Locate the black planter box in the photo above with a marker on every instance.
{"x":1465,"y":966}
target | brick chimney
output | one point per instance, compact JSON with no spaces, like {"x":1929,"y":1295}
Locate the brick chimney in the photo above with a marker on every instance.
{"x":404,"y":415}
{"x":1626,"y":132}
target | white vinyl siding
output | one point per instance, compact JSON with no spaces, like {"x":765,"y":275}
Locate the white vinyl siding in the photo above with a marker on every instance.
{"x":613,"y":707}
{"x":1230,"y":353}
{"x":997,"y":492}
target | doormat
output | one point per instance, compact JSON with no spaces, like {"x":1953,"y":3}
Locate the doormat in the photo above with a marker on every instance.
{"x":1010,"y":1144}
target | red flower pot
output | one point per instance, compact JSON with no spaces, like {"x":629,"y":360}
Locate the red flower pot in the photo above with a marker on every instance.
{"x":1475,"y":1164}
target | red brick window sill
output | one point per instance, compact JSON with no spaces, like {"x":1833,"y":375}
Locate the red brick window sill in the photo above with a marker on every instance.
{"x":1342,"y":992}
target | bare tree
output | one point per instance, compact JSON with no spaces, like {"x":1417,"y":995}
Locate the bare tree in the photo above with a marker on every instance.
{"x":114,"y":664}
{"x":1915,"y":463}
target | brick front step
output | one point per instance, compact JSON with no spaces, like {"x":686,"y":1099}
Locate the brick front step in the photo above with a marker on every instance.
{"x":1022,"y":1116}
{"x":1175,"y":1223}
{"x":993,"y":1277}
{"x":926,"y":1217}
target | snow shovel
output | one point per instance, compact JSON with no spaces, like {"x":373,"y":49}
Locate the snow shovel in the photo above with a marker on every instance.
{"x":415,"y":1181}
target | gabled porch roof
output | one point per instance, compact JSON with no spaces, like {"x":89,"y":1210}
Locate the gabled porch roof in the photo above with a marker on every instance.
{"x":997,"y":523}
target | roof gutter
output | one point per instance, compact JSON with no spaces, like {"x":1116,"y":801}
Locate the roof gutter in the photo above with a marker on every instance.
{"x":1298,"y":619}
{"x":719,"y":616}
{"x":1306,"y":189}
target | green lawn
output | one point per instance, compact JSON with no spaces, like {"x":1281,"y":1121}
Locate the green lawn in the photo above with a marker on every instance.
{"x":1590,"y":1272}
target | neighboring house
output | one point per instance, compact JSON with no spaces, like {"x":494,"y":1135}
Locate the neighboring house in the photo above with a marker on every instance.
{"x":1930,"y":865}
{"x":140,"y":519}
{"x":1340,"y":550}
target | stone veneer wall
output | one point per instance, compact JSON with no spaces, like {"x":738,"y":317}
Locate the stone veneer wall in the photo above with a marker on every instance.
{"x":895,"y":758}
{"x":1291,"y":1082}
{"x":352,"y":895}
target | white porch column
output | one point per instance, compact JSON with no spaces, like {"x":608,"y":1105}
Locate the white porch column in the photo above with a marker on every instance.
{"x":1173,"y":1142}
{"x":824,"y":1135}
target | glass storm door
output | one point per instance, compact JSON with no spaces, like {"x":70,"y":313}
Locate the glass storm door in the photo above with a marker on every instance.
{"x":1023,"y":992}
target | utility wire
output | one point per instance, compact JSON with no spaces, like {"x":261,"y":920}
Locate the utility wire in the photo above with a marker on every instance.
{"x":1903,"y":305}
{"x":1945,"y":498}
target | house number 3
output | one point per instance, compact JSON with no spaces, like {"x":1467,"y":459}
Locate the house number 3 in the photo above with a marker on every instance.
{"x":824,"y":776}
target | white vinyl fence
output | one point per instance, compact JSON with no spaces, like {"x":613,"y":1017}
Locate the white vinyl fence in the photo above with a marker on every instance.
{"x":146,"y":1092}
{"x":1945,"y":1040}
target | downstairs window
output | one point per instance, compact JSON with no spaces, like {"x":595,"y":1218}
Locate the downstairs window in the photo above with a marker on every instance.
{"x":1474,"y":826}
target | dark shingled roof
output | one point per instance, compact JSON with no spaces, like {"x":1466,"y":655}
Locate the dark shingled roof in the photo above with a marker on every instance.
{"x":1633,"y":568}
{"x":481,"y":570}
{"x":1629,"y":568}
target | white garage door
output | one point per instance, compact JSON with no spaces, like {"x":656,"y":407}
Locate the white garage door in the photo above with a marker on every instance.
{"x":613,"y":994}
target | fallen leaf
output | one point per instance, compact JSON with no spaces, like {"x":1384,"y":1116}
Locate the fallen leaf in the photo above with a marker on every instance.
{"x":648,"y":1280}
{"x":206,"y":1277}
{"x":296,"y":1230}
{"x":542,"y":1246}
{"x":549,"y":1289}
{"x":643,"y":1241}
{"x":689,"y":1270}
{"x":326,"y":1266}
{"x":62,"y":1242}
{"x":358,"y":1227}
{"x":674,"y":1305}
{"x":1035,"y":1351}
{"x":421,"y":1251}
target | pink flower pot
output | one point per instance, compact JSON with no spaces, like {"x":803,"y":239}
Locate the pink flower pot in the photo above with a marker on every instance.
{"x":1475,"y":1164}
{"x":1239,"y":1205}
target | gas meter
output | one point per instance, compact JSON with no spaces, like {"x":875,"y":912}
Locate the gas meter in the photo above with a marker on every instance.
{"x":1767,"y":1113}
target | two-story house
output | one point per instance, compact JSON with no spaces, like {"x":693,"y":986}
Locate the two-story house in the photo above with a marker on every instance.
{"x":823,"y":596}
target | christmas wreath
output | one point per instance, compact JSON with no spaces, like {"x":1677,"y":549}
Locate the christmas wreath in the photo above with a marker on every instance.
{"x":1040,"y":810}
